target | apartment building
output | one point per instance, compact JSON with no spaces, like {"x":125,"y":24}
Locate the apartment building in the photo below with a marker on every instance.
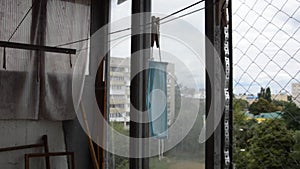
{"x":296,"y":93}
{"x":120,"y":90}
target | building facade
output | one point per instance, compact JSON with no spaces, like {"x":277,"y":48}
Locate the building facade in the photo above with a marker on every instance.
{"x":171,"y":92}
{"x":280,"y":97}
{"x":296,"y":93}
{"x":120,"y":90}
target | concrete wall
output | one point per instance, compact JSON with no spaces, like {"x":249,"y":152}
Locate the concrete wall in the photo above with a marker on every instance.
{"x":22,"y":132}
{"x":77,"y":142}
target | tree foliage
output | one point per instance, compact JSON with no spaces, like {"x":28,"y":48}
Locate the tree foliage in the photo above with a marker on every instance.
{"x":264,"y":103}
{"x":189,"y":147}
{"x":296,"y":149}
{"x":270,"y":144}
{"x":291,"y":113}
{"x":265,"y":94}
{"x":262,"y":106}
{"x":240,"y":105}
{"x":118,"y":161}
{"x":267,"y":145}
{"x":291,"y":116}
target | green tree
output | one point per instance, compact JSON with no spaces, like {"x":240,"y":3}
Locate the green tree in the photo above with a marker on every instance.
{"x":261,"y":94}
{"x":119,"y":161}
{"x":270,"y":146}
{"x":239,"y":105}
{"x":280,"y":104}
{"x":291,"y":115}
{"x":268,"y":95}
{"x":265,"y":94}
{"x":189,"y":148}
{"x":241,"y":132}
{"x":296,"y":150}
{"x":262,"y":106}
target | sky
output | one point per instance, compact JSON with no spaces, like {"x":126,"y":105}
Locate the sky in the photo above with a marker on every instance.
{"x":178,"y":43}
{"x":265,"y":39}
{"x":266,"y":43}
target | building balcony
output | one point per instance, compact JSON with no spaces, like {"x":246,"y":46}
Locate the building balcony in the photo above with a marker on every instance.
{"x":117,"y":110}
{"x":117,"y":101}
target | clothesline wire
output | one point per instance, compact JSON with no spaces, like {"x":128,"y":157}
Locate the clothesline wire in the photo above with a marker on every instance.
{"x":189,"y":13}
{"x":118,"y":31}
{"x":174,"y":13}
{"x":70,"y":43}
{"x":181,"y":16}
{"x":24,"y":17}
{"x":183,"y":9}
{"x":121,"y":37}
{"x":122,"y":30}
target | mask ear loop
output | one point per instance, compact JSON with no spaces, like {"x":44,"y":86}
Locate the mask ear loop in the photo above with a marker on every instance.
{"x":160,"y":149}
{"x":4,"y":58}
{"x":158,"y":36}
{"x":159,"y":155}
{"x":159,"y":54}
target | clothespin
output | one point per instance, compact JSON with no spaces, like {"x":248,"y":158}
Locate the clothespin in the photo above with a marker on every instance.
{"x":155,"y":31}
{"x":4,"y":59}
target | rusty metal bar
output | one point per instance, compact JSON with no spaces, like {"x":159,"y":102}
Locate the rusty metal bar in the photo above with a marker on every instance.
{"x":34,"y":155}
{"x":36,"y":47}
{"x":46,"y":149}
{"x":49,"y":154}
{"x":73,"y":160}
{"x":44,"y":144}
{"x":26,"y":161}
{"x":21,"y":147}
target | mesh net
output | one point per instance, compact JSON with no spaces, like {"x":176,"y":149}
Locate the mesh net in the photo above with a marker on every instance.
{"x":266,"y":55}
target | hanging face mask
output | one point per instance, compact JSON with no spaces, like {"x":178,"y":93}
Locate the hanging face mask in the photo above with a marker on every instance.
{"x":157,"y":99}
{"x":157,"y":102}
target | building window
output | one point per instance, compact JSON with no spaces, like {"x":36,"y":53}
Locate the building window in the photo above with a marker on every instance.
{"x":120,"y":106}
{"x":118,"y":97}
{"x":117,"y":78}
{"x":117,"y":69}
{"x":116,"y":87}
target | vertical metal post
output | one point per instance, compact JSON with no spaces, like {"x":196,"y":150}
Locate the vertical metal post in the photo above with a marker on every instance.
{"x":215,"y":84}
{"x":100,"y":16}
{"x":230,"y":83}
{"x":226,"y":56}
{"x":73,"y":160}
{"x":26,"y":158}
{"x":140,"y":53}
{"x":209,"y":33}
{"x":46,"y":149}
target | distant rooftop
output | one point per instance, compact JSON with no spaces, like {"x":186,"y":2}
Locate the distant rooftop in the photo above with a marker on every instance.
{"x":271,"y":115}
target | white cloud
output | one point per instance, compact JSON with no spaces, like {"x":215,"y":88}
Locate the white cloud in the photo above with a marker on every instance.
{"x":188,"y":30}
{"x":266,"y":34}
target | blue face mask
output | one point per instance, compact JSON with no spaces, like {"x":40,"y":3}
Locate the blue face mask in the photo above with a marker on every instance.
{"x":157,"y":99}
